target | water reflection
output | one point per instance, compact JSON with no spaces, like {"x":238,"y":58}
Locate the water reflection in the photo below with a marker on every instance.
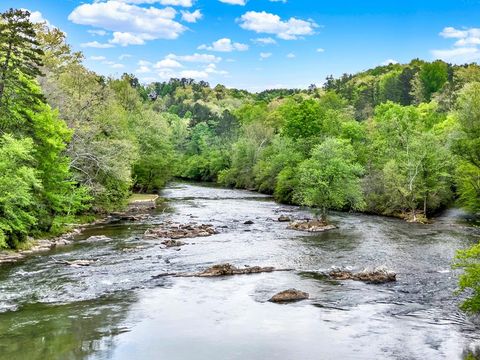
{"x":71,"y":331}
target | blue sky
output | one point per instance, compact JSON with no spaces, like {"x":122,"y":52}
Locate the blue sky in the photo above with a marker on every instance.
{"x":258,"y":44}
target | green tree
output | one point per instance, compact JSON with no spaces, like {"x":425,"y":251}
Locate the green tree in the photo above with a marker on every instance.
{"x":20,"y":59}
{"x":18,"y":183}
{"x":467,"y":147}
{"x":330,"y":179}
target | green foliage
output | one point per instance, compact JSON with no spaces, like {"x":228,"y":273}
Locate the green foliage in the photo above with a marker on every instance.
{"x":18,"y":184}
{"x":411,"y":163}
{"x":330,"y":179}
{"x":469,"y":261}
{"x":467,"y":147}
{"x":153,"y":168}
{"x":20,"y":61}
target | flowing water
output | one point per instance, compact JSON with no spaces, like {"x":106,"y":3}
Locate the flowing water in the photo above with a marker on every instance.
{"x":116,"y":309}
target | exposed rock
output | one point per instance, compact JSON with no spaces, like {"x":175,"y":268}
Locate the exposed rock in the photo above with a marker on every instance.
{"x":284,"y":218}
{"x":289,"y":295}
{"x":173,"y":243}
{"x":229,"y":269}
{"x":180,"y":231}
{"x":249,"y":222}
{"x":224,"y":270}
{"x":378,"y":275}
{"x":311,"y":226}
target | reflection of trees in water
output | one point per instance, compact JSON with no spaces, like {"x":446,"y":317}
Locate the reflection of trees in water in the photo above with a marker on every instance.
{"x":472,"y":353}
{"x":71,"y":331}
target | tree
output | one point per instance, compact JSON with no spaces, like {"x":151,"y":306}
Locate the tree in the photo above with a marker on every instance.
{"x":409,"y":160}
{"x":467,"y":147}
{"x":20,"y":59}
{"x":430,"y":79}
{"x":330,"y":179}
{"x":18,"y":182}
{"x":469,"y":261}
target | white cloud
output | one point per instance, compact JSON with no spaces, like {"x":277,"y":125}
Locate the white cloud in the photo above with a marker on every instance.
{"x":184,"y":3}
{"x":389,"y":61}
{"x":224,"y":45}
{"x":96,"y":44}
{"x":264,"y":41}
{"x":168,"y":64}
{"x":200,"y":58}
{"x":466,"y":48}
{"x":194,"y":74}
{"x":320,"y":50}
{"x":97,"y":58}
{"x":131,"y":24}
{"x":191,"y":17}
{"x":117,"y":66}
{"x":458,"y":55}
{"x":143,"y":70}
{"x":36,"y":17}
{"x":126,"y":38}
{"x":291,"y":56}
{"x":97,"y":32}
{"x":124,"y":56}
{"x":234,"y":2}
{"x":212,"y":69}
{"x":264,"y":55}
{"x":450,"y":32}
{"x":263,"y":22}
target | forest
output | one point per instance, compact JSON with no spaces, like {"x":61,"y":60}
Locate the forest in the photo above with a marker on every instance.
{"x":399,"y":140}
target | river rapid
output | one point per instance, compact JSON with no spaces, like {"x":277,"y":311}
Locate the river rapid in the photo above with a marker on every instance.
{"x":116,"y":309}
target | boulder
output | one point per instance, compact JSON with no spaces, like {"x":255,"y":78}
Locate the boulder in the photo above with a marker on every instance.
{"x":249,"y":222}
{"x":311,"y":226}
{"x":229,"y":269}
{"x":180,"y":231}
{"x":379,"y":275}
{"x":172,"y":243}
{"x":284,"y":218}
{"x":290,"y":295}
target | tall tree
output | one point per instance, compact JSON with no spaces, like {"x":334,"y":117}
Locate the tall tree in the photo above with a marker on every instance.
{"x":20,"y":58}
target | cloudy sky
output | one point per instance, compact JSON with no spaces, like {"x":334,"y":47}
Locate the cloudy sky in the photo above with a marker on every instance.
{"x":258,"y":44}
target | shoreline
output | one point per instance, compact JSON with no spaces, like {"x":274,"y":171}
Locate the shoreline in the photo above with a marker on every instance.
{"x":38,"y":246}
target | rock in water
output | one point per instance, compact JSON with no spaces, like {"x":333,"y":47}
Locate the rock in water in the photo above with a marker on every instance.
{"x":173,"y":243}
{"x":180,"y":231}
{"x":311,"y":226}
{"x":289,"y":295}
{"x":284,"y":218}
{"x":379,"y":275}
{"x":229,"y":269}
{"x":249,"y":222}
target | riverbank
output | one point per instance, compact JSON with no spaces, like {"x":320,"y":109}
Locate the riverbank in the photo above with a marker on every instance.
{"x":137,"y":204}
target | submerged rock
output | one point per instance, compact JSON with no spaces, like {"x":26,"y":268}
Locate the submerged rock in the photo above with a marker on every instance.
{"x":310,"y":226}
{"x":378,"y":275}
{"x":98,"y":238}
{"x":173,"y":243}
{"x":289,"y":295}
{"x":79,"y":263}
{"x":284,"y":218}
{"x":180,"y":231}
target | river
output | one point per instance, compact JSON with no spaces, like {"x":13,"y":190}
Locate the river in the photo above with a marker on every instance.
{"x":115,"y":309}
